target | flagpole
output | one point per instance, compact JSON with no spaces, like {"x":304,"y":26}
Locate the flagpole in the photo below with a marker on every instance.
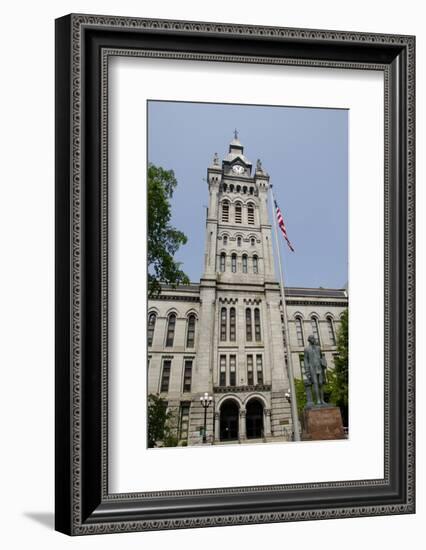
{"x":293,"y":398}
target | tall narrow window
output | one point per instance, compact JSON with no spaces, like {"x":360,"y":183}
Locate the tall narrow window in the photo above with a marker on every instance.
{"x":184,"y":420}
{"x":225,"y":211}
{"x":244,"y":263}
{"x":171,"y":325}
{"x":234,"y":263}
{"x":249,"y":328}
{"x":232,"y":324}
{"x":259,"y":369}
{"x":257,"y":333}
{"x":238,"y":241}
{"x":223,"y":324}
{"x":299,"y":332}
{"x":233,"y":370}
{"x":331,"y":334}
{"x":225,"y":240}
{"x":165,"y":376}
{"x":222,"y":373}
{"x":250,"y":378}
{"x":238,"y":213}
{"x":187,"y":375}
{"x":255,"y":265}
{"x":190,"y":334}
{"x":314,"y":325}
{"x":252,"y":241}
{"x":151,"y":327}
{"x":222,"y":262}
{"x":250,"y":214}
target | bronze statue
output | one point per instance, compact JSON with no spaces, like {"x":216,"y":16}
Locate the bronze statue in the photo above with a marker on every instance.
{"x":314,"y":366}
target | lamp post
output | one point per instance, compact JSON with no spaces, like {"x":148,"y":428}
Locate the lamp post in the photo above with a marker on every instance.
{"x":287,"y":395}
{"x":205,"y":401}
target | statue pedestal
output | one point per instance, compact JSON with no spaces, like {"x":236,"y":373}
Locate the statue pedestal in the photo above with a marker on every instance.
{"x":323,"y":423}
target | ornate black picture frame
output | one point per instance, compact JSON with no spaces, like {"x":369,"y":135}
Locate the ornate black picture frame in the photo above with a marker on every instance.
{"x":83,"y":46}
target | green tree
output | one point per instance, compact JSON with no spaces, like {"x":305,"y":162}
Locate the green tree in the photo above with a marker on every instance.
{"x":161,"y":423}
{"x":340,"y":384}
{"x":163,"y":239}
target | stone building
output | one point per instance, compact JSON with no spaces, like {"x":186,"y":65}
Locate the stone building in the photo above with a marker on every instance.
{"x":225,"y":335}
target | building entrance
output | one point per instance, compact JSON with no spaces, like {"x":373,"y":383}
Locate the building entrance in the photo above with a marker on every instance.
{"x":254,"y":419}
{"x":229,"y":413}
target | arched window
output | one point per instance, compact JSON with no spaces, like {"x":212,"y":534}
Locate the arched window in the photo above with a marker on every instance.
{"x":171,"y":325}
{"x":244,"y":263}
{"x":225,"y":240}
{"x":255,"y":265}
{"x":151,"y":327}
{"x":315,"y":332}
{"x":232,"y":324}
{"x":257,"y":333}
{"x":252,"y":241}
{"x":222,"y":261}
{"x":331,"y":333}
{"x":238,"y":213}
{"x":249,"y":328}
{"x":299,"y":332}
{"x":225,"y":211}
{"x":223,"y":324}
{"x":190,"y":333}
{"x":250,"y":214}
{"x":234,"y":263}
{"x":238,"y":241}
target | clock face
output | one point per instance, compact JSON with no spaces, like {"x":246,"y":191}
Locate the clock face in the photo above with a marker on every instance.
{"x":238,"y":169}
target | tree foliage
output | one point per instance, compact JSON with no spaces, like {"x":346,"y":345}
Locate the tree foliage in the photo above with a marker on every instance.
{"x":163,"y":239}
{"x":340,"y":388}
{"x":161,"y":427}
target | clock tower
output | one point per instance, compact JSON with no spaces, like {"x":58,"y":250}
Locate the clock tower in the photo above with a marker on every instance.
{"x":243,"y":360}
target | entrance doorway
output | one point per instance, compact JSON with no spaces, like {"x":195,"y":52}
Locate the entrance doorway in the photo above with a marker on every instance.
{"x":229,"y":413}
{"x":254,"y":419}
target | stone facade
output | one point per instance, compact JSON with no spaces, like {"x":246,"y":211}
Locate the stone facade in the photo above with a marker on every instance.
{"x":225,"y":335}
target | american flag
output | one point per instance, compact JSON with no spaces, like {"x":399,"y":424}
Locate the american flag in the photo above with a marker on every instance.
{"x":281,"y":225}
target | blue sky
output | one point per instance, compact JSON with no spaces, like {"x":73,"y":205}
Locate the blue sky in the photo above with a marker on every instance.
{"x":305,"y":152}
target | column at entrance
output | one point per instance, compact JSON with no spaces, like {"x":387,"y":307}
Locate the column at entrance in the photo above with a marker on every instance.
{"x":216,"y":426}
{"x":243,"y":435}
{"x":268,"y":432}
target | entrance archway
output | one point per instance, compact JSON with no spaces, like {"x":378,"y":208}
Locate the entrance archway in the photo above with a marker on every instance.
{"x":229,"y":416}
{"x":254,"y":419}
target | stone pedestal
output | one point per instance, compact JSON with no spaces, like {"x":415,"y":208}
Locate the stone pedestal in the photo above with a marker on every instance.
{"x":323,"y":423}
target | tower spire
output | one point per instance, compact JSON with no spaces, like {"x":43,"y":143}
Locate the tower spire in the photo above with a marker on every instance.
{"x":235,"y":134}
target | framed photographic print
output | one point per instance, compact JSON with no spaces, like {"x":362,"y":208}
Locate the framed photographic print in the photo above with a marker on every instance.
{"x":234,"y":274}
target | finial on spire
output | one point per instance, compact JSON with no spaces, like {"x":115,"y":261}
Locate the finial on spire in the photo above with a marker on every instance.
{"x":236,"y":133}
{"x":216,"y":159}
{"x":259,"y":165}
